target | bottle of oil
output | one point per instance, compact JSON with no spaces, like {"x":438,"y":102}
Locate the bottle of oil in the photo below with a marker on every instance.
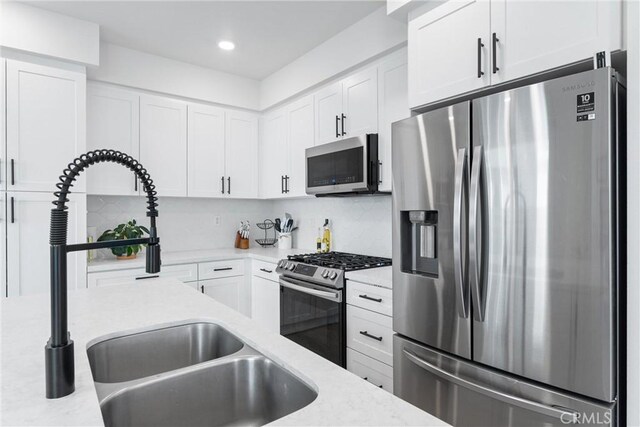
{"x":326,"y":236}
{"x":319,"y":241}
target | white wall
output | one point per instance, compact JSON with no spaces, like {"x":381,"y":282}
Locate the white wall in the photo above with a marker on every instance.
{"x":633,"y":212}
{"x":34,"y":30}
{"x":370,"y":37}
{"x":142,"y":70}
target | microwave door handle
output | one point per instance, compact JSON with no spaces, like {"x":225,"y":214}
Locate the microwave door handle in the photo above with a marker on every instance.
{"x":475,"y":263}
{"x":558,"y":413}
{"x":458,"y":261}
{"x":322,"y":294}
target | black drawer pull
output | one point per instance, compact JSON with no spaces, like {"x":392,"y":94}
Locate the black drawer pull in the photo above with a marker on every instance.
{"x":13,"y":177}
{"x":367,"y":334}
{"x":367,"y":379}
{"x":13,"y":210}
{"x":147,"y":277}
{"x":266,"y":271}
{"x":223,"y":269}
{"x":365,"y":296}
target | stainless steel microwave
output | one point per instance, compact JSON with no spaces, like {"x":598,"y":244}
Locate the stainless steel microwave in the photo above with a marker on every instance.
{"x":346,"y":167}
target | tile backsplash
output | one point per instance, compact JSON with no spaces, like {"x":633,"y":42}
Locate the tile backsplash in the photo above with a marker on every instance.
{"x":359,"y":224}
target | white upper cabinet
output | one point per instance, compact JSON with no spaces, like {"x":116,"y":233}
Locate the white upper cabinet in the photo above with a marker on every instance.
{"x":28,"y":217}
{"x":3,"y":133}
{"x":300,"y":132}
{"x":274,"y":154}
{"x":360,"y":104}
{"x":534,"y":36}
{"x":393,"y":105}
{"x":449,"y":50}
{"x":112,"y":122}
{"x":462,"y":46}
{"x":328,"y":106}
{"x":45,"y":122}
{"x":241,"y":154}
{"x":163,"y":143}
{"x":206,"y":151}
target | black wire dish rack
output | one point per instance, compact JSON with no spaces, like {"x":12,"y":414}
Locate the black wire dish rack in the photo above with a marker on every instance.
{"x":267,"y":241}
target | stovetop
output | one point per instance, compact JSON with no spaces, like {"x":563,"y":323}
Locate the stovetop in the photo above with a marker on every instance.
{"x":341,"y":260}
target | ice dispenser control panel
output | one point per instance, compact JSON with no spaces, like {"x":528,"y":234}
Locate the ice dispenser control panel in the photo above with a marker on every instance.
{"x":419,"y":242}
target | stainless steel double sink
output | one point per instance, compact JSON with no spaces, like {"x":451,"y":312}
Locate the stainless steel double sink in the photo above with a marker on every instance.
{"x":190,"y":374}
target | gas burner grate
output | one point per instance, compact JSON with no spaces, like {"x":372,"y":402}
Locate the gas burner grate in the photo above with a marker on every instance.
{"x":341,"y":260}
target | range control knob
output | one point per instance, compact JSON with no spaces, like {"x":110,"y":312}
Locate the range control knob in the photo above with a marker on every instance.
{"x":325,"y":273}
{"x":333,"y":275}
{"x":282,"y":263}
{"x":291,"y":266}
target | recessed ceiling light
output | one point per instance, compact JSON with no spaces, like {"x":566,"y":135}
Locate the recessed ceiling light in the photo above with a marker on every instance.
{"x":226,"y":45}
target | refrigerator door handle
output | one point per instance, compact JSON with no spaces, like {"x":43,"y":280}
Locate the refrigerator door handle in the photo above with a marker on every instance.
{"x":458,"y":268}
{"x":558,"y":413}
{"x":475,"y":263}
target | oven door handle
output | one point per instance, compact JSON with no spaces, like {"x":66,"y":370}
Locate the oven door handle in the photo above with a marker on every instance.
{"x":332,"y":296}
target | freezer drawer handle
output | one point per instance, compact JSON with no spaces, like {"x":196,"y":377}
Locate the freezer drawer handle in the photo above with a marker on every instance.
{"x":266,"y":271}
{"x":365,"y":296}
{"x":475,"y":261}
{"x":494,"y":394}
{"x":458,"y":261}
{"x":367,"y":334}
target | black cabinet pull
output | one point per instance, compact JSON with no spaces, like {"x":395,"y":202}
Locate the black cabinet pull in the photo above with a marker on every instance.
{"x":365,"y":296}
{"x":266,"y":271}
{"x":13,"y":177}
{"x":223,"y":269}
{"x":202,"y":288}
{"x":147,"y":277}
{"x":222,"y":181}
{"x":495,"y":41}
{"x":229,"y":185}
{"x":286,"y":183}
{"x":282,"y":184}
{"x":337,"y":132}
{"x":480,"y":46}
{"x":368,"y":335}
{"x":342,"y":124}
{"x":367,"y":379}
{"x":135,"y":183}
{"x":13,"y":214}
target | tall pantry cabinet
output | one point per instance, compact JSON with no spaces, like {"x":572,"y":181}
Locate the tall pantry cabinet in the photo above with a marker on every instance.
{"x":44,"y":124}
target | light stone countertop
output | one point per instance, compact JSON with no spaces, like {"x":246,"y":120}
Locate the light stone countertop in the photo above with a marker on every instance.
{"x":343,"y":398}
{"x":186,"y":257}
{"x":380,"y":276}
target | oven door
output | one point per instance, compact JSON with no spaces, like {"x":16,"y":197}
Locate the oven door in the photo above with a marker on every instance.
{"x":314,"y":317}
{"x":339,"y":167}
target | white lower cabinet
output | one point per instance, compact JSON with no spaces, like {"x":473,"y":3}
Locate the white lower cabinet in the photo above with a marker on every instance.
{"x":265,"y":303}
{"x":369,"y":369}
{"x":225,"y":290}
{"x":28,"y":219}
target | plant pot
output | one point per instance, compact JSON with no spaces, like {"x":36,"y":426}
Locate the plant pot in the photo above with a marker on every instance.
{"x":125,"y":257}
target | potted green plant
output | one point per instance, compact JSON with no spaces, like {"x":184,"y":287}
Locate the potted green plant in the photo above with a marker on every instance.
{"x":129,"y":230}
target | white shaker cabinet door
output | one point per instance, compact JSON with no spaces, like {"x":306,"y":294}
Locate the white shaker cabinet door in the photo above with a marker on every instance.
{"x":3,"y":122}
{"x":265,"y":303}
{"x":393,"y":105}
{"x":113,"y":122}
{"x":225,"y":290}
{"x":274,"y":154}
{"x":241,"y":154}
{"x":300,"y":134}
{"x":534,"y":36}
{"x":163,"y":143}
{"x":28,"y":219}
{"x":206,"y":151}
{"x":3,"y":245}
{"x":360,"y":104}
{"x":445,"y":58}
{"x":328,"y":110}
{"x":46,"y":122}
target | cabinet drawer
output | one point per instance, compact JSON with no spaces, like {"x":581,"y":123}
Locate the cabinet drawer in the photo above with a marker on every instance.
{"x":263,"y":269}
{"x":377,"y":373}
{"x":371,"y":297}
{"x":218,"y":269}
{"x":370,"y":333}
{"x":184,"y":273}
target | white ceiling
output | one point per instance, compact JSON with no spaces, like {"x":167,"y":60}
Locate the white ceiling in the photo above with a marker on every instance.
{"x":268,"y":34}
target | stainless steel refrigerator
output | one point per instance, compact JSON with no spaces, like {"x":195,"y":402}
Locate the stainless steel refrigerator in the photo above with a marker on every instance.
{"x":506,"y":258}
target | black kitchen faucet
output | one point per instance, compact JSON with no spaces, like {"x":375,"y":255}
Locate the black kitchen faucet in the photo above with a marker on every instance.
{"x":59,"y":364}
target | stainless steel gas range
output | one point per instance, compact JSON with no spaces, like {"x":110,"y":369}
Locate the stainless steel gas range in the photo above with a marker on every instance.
{"x":312,"y":299}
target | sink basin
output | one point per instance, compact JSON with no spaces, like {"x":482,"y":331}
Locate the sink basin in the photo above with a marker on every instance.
{"x":243,"y":390}
{"x":143,"y":354}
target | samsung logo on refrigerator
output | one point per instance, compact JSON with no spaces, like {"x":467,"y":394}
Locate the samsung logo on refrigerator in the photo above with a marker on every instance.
{"x":578,"y":86}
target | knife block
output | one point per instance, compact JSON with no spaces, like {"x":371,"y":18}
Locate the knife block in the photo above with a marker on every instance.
{"x":241,"y":243}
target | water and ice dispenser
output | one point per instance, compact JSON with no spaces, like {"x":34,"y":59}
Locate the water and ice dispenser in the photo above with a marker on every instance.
{"x":419,"y":242}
